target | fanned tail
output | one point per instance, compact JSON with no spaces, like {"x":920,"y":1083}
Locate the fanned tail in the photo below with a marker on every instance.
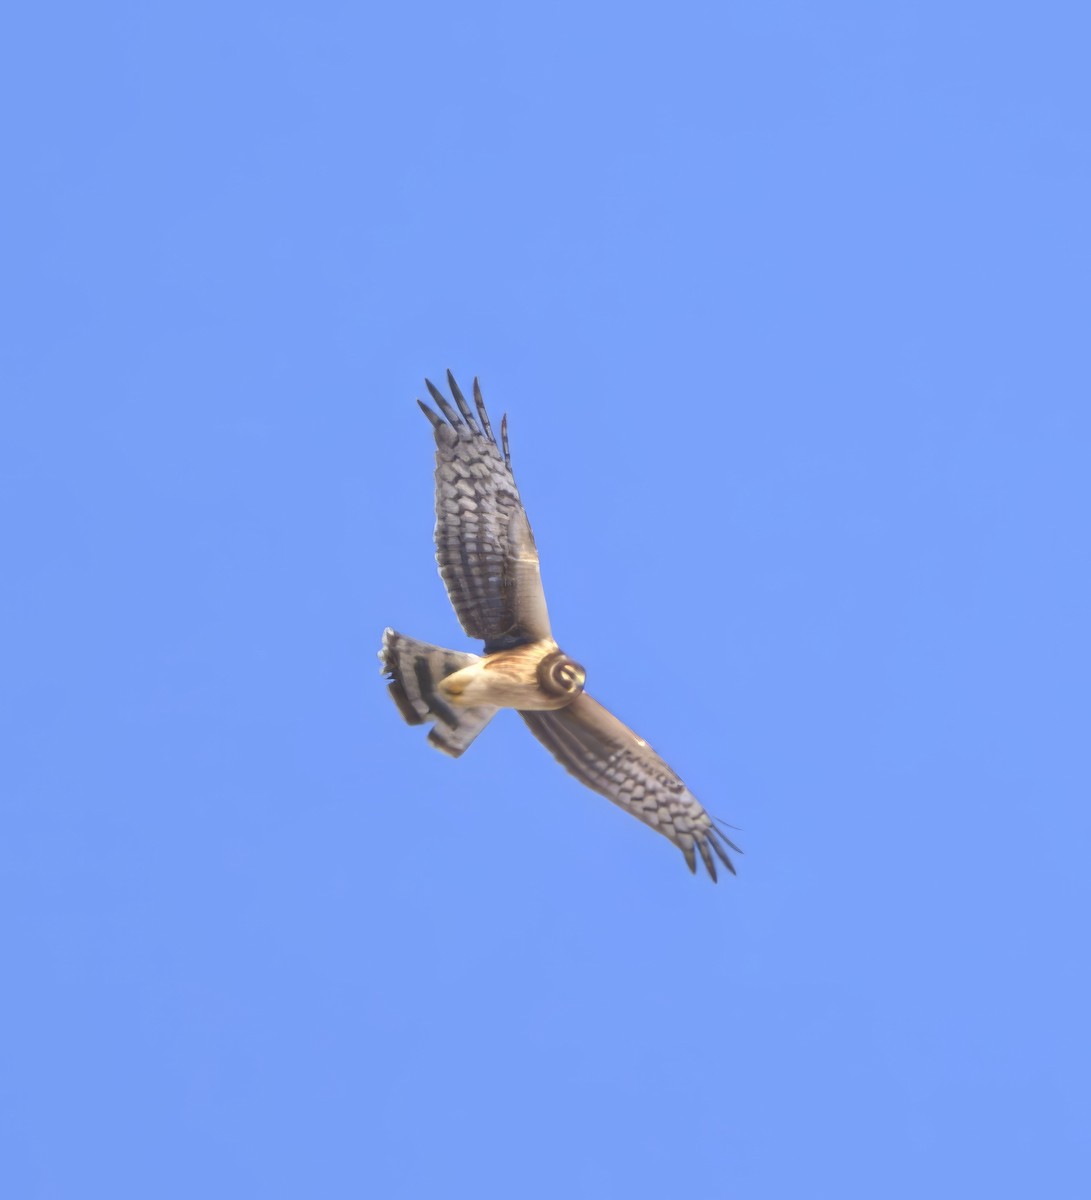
{"x":415,"y":670}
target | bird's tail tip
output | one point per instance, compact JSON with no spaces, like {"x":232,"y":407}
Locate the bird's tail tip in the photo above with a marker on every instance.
{"x":414,"y":671}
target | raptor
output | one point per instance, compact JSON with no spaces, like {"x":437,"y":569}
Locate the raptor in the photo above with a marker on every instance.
{"x":489,"y":563}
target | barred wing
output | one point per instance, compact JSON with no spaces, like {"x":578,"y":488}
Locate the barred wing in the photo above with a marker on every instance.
{"x":602,"y":752}
{"x":484,"y":545}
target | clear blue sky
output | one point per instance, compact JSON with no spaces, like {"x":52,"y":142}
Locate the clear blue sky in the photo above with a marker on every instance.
{"x":789,"y":307}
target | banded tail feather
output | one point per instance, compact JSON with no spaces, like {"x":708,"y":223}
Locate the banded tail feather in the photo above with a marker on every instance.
{"x":415,"y":671}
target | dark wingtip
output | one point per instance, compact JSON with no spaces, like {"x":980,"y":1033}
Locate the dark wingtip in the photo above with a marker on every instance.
{"x":713,"y":836}
{"x":433,"y":417}
{"x":485,"y":423}
{"x":460,"y":400}
{"x":443,"y":402}
{"x":706,"y":857}
{"x":504,"y":439}
{"x":718,"y":827}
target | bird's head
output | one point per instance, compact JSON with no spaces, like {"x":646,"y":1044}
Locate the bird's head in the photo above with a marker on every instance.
{"x":561,"y":676}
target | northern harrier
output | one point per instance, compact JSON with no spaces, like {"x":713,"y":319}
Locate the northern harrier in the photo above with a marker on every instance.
{"x":489,"y":563}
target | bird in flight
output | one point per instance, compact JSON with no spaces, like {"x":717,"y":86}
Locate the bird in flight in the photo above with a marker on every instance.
{"x":489,"y":564}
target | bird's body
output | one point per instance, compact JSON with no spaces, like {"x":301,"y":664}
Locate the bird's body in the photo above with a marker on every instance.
{"x":519,"y":678}
{"x":489,"y":563}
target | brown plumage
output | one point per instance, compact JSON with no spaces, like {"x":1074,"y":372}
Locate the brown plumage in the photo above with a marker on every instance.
{"x":489,"y":564}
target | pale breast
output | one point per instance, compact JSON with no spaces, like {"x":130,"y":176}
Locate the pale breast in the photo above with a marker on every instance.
{"x":537,"y":676}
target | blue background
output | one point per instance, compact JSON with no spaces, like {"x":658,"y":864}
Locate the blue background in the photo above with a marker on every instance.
{"x":789,"y":306}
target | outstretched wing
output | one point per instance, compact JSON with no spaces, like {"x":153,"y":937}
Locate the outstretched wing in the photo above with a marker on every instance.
{"x":484,"y":545}
{"x":592,"y":744}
